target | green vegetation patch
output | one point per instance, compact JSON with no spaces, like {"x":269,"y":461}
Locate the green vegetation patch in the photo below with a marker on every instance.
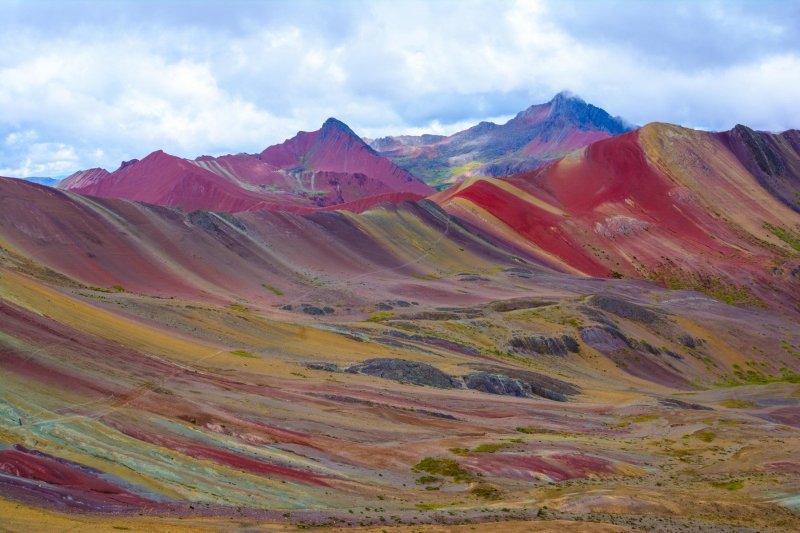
{"x":492,"y":448}
{"x":737,"y":404}
{"x":272,"y":289}
{"x":445,"y":467}
{"x":378,"y":316}
{"x":530,"y":430}
{"x":792,"y":238}
{"x":754,"y":377}
{"x":486,"y":492}
{"x":728,"y":485}
{"x":644,"y":418}
{"x":704,"y":435}
{"x":244,"y":353}
{"x":675,"y":278}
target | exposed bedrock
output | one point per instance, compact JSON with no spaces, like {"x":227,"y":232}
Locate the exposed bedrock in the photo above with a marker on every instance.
{"x":625,"y":309}
{"x":541,"y":345}
{"x":413,"y":372}
{"x":497,"y":384}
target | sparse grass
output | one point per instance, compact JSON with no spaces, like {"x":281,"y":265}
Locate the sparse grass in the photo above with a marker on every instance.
{"x":754,"y":377}
{"x":272,"y":289}
{"x":492,"y":448}
{"x":244,"y":353}
{"x":378,"y":316}
{"x":103,"y":289}
{"x":675,"y":278}
{"x":425,"y":277}
{"x":442,"y":466}
{"x":644,"y":418}
{"x":728,"y":485}
{"x":530,"y":430}
{"x":737,"y":404}
{"x":459,"y":451}
{"x":486,"y":492}
{"x":239,"y":307}
{"x":792,"y":238}
{"x":704,"y":435}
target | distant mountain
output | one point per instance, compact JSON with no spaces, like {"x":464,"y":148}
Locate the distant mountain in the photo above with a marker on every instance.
{"x":50,"y":182}
{"x":327,"y":167}
{"x":536,"y":135}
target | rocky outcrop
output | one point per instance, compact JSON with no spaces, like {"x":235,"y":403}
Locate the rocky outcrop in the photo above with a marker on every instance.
{"x":413,"y":372}
{"x":433,"y":341}
{"x":509,"y":381}
{"x":605,"y":339}
{"x":515,"y":304}
{"x":625,"y":309}
{"x":496,"y":384}
{"x":541,"y":345}
{"x":680,"y":404}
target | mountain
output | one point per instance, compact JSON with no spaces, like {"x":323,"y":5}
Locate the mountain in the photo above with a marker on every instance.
{"x":330,"y":166}
{"x":534,"y":136}
{"x":713,"y":212}
{"x":166,"y":370}
{"x":50,"y":182}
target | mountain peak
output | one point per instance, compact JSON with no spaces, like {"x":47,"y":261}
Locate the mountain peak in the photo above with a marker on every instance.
{"x":566,"y":96}
{"x":336,"y":124}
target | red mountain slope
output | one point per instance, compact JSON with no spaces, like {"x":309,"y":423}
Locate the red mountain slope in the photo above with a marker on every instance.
{"x":664,"y":203}
{"x":336,"y":148}
{"x":331,"y":166}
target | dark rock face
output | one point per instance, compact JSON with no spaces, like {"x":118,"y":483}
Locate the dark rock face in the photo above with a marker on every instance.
{"x":689,"y":341}
{"x":680,"y":404}
{"x":404,"y":371}
{"x":496,"y":384}
{"x":539,"y":344}
{"x":433,"y":341}
{"x":538,"y":384}
{"x":504,"y":306}
{"x":625,"y":309}
{"x":605,"y":339}
{"x":765,"y":157}
{"x":310,"y":309}
{"x":327,"y":367}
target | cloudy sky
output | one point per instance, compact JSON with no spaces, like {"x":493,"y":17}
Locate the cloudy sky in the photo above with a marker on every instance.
{"x":86,"y":84}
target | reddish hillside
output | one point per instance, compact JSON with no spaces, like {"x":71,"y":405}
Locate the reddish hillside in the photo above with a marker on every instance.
{"x":328,"y":167}
{"x":335,"y":148}
{"x":676,"y":206}
{"x":163,"y":179}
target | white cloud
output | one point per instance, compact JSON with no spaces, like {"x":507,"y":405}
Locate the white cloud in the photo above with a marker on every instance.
{"x":95,"y":85}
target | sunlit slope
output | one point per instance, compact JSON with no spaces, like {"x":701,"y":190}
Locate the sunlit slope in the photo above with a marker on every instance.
{"x":663,"y":203}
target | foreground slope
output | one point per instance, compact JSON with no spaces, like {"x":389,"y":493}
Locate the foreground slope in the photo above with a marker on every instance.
{"x":685,"y":208}
{"x":164,"y":369}
{"x":534,"y":136}
{"x":330,"y":166}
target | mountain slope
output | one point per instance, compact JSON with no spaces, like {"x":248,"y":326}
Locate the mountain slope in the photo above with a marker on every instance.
{"x":166,"y":370}
{"x":538,"y":134}
{"x":663,"y":203}
{"x":327,"y":167}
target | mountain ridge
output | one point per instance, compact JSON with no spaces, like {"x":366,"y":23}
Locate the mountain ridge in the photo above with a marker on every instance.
{"x":535,"y":135}
{"x":329,"y":166}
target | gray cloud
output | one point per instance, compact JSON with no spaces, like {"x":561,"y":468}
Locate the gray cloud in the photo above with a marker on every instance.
{"x":91,"y":83}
